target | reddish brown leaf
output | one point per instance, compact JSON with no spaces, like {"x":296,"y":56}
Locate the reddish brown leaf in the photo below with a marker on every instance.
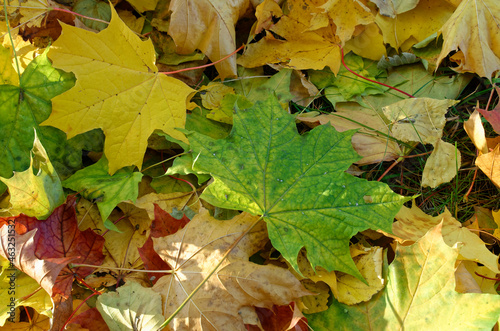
{"x":22,"y":254}
{"x":59,"y":237}
{"x":49,"y":27}
{"x":90,"y":319}
{"x":280,"y":318}
{"x":492,"y":116}
{"x":152,"y":261}
{"x":164,"y":224}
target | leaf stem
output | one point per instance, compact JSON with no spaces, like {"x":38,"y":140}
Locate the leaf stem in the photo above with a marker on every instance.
{"x":11,"y":40}
{"x":191,"y":295}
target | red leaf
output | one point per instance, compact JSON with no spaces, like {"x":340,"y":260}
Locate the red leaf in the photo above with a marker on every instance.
{"x":492,"y":116}
{"x":164,"y":224}
{"x":152,"y":261}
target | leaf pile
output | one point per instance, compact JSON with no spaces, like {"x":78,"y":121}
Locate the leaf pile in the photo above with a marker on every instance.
{"x":141,"y":191}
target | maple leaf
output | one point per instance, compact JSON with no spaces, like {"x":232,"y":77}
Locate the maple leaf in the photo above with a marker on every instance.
{"x":413,"y":26}
{"x":95,"y":183}
{"x":196,"y":250}
{"x":207,"y":25}
{"x":393,"y":7}
{"x":23,"y":107}
{"x":44,"y":271}
{"x":412,"y":224}
{"x":118,"y":89}
{"x":35,"y":195}
{"x":58,"y":237}
{"x":283,"y":44}
{"x":131,"y":307}
{"x":473,"y":28}
{"x":298,"y":183}
{"x":353,"y":13}
{"x":420,"y":282}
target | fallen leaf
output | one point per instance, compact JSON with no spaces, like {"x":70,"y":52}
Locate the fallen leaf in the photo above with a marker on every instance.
{"x":475,"y":131}
{"x":368,"y":44}
{"x":35,"y":194}
{"x":207,"y":25}
{"x":95,"y":183}
{"x":196,"y":250}
{"x":131,"y":307}
{"x":492,"y":116}
{"x":413,"y":223}
{"x":298,"y":183}
{"x":473,"y":28}
{"x":281,"y":318}
{"x":413,"y":26}
{"x":392,"y":8}
{"x":489,"y":163}
{"x":418,"y":119}
{"x":442,"y":165}
{"x":128,"y":112}
{"x":420,"y":282}
{"x":296,"y":47}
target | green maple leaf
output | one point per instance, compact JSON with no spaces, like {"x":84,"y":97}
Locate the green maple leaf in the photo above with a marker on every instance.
{"x":420,"y":295}
{"x":297,"y":183}
{"x":22,"y":108}
{"x":95,"y":183}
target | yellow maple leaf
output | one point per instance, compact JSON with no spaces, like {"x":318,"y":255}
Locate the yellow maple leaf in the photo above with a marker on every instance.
{"x":195,"y":251}
{"x":207,"y":25}
{"x":352,"y":13}
{"x":474,"y":28}
{"x":410,"y":27}
{"x":291,"y":41}
{"x":118,"y":89}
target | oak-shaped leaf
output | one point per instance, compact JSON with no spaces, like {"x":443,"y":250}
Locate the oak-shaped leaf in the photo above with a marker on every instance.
{"x":420,"y":295}
{"x":196,"y":250}
{"x":118,"y":89}
{"x":297,"y":183}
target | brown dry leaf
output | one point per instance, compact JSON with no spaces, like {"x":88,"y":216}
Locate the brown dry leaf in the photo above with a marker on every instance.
{"x":474,"y":28}
{"x":194,"y":251}
{"x":412,"y":224}
{"x":465,"y":282}
{"x":291,"y":41}
{"x":353,"y":13}
{"x":303,"y":91}
{"x":489,"y":163}
{"x":413,"y":26}
{"x":207,"y":25}
{"x":418,"y":119}
{"x":442,"y":165}
{"x":370,"y":141}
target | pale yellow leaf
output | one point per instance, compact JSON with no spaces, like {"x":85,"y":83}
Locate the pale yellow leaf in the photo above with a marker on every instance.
{"x":412,"y":224}
{"x":489,"y":163}
{"x":475,"y":130}
{"x":474,"y":28}
{"x":194,"y":251}
{"x":413,"y":26}
{"x":391,"y":8}
{"x":418,"y":119}
{"x":442,"y":165}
